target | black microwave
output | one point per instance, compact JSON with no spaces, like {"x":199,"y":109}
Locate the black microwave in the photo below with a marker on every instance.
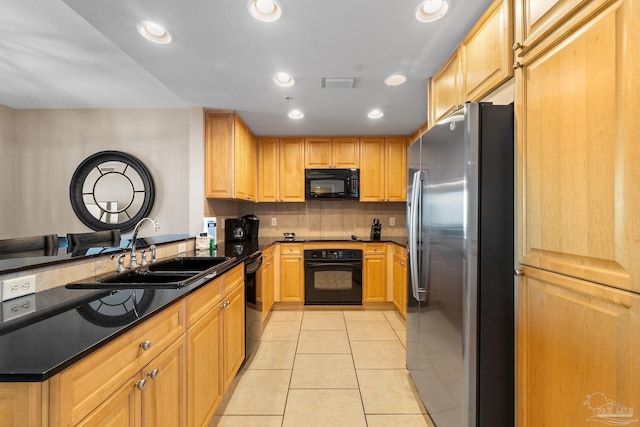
{"x":332,"y":184}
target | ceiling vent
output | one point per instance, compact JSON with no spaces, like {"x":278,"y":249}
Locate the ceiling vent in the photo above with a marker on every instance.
{"x":337,"y":82}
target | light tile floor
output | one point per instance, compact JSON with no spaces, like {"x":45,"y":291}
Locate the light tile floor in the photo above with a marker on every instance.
{"x":325,"y":368}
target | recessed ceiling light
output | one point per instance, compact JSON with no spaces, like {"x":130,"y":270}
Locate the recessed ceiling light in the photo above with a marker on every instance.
{"x":154,"y":32}
{"x":265,"y":10}
{"x":375,"y":114}
{"x":296,"y":114}
{"x":431,"y":10}
{"x":395,"y":80}
{"x":283,"y":80}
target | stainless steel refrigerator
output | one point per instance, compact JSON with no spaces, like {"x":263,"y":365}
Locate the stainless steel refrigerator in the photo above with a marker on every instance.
{"x":460,"y":308}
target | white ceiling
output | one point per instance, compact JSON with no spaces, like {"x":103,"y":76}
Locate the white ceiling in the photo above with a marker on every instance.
{"x":88,"y":54}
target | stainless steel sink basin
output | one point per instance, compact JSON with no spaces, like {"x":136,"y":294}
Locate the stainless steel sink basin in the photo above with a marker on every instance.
{"x":172,"y":273}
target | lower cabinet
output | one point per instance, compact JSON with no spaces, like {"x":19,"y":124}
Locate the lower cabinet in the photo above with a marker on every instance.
{"x":171,"y":370}
{"x":21,"y":404}
{"x":266,"y":281}
{"x":578,"y":352}
{"x":400,"y":280}
{"x":374,"y":272}
{"x":291,"y":273}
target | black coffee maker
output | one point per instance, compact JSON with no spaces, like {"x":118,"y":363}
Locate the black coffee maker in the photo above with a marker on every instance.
{"x":234,"y":229}
{"x":251,"y":224}
{"x":376,"y":229}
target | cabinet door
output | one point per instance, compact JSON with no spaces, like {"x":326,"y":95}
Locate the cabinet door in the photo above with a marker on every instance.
{"x":204,"y":368}
{"x":164,"y":399}
{"x":346,"y":152}
{"x":291,"y":278}
{"x":219,"y":153}
{"x":245,"y":162}
{"x":21,"y":405}
{"x":372,"y":172}
{"x":291,"y":167}
{"x":375,"y":278}
{"x":535,"y":19}
{"x":317,"y":153}
{"x":400,"y":283}
{"x":446,"y":89}
{"x":267,"y":281}
{"x":579,"y":156}
{"x":232,"y":334}
{"x":488,"y":51}
{"x":121,"y":409}
{"x":395,"y":170}
{"x":268,"y":169}
{"x":578,"y":360}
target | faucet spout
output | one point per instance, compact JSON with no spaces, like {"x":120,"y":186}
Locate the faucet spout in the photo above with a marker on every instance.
{"x":132,"y":263}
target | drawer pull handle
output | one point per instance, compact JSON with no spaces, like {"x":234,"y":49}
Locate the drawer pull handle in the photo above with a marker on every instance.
{"x":518,"y":272}
{"x":153,"y":374}
{"x":517,"y":46}
{"x":146,"y":345}
{"x":141,"y":384}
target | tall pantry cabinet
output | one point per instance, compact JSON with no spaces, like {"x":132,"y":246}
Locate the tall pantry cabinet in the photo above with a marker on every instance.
{"x":578,"y":320}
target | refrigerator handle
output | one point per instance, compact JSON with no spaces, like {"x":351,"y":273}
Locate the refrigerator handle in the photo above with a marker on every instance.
{"x":414,"y":232}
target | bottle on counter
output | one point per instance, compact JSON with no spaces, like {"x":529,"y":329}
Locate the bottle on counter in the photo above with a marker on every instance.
{"x":203,"y":244}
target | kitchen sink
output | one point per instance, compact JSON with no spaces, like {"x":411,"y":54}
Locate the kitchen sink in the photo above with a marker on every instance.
{"x":172,"y":273}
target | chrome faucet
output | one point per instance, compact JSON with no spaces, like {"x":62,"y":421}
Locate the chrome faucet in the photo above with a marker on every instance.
{"x":132,"y":263}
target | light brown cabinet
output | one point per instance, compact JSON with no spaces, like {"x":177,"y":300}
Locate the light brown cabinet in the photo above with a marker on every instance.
{"x":291,"y":273}
{"x":400,"y":279}
{"x":336,"y":152}
{"x":577,"y":210}
{"x":21,"y":404}
{"x":230,"y":157}
{"x":266,"y":281}
{"x":374,"y":271}
{"x":578,"y":351}
{"x":487,"y":51}
{"x":233,"y":332}
{"x":281,"y":169}
{"x":83,"y":388}
{"x":383,"y":163}
{"x":446,"y":88}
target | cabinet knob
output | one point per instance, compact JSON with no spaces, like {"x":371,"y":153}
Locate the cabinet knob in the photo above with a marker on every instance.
{"x":141,"y":384}
{"x":145,"y":345}
{"x":516,"y":65}
{"x":153,"y":374}
{"x":518,"y":272}
{"x":517,"y":46}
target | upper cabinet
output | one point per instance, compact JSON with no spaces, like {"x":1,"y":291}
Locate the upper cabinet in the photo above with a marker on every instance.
{"x":446,"y":90}
{"x":383,"y":163}
{"x":230,"y":157}
{"x":487,"y":52}
{"x":281,"y":169}
{"x":538,"y":18}
{"x":326,"y":152}
{"x":579,"y":157}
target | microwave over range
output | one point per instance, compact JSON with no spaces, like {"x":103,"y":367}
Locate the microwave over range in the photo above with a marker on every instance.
{"x":332,"y":184}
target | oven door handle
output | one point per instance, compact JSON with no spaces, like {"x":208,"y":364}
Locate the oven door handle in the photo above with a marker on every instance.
{"x":333,"y":264}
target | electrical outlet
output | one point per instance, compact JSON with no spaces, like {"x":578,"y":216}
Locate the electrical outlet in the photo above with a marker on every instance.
{"x":392,"y":221}
{"x":18,"y":307}
{"x":18,"y":286}
{"x":182,"y":248}
{"x":274,"y":222}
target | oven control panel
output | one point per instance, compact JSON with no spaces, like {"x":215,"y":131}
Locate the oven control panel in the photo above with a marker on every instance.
{"x":332,"y":254}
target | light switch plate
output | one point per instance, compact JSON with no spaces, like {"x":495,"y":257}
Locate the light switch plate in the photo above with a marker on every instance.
{"x":18,"y":286}
{"x":182,"y":248}
{"x":274,"y":222}
{"x":392,"y":221}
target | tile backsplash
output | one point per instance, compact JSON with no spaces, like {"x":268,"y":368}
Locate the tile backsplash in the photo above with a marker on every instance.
{"x":328,"y":218}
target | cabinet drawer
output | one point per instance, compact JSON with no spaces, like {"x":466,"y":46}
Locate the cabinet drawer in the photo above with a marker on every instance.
{"x":291,"y":249}
{"x":203,"y":300}
{"x":78,"y":390}
{"x":399,"y":250}
{"x":375,"y":248}
{"x":233,"y":278}
{"x":268,"y":252}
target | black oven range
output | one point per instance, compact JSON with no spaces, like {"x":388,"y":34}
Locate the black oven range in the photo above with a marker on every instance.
{"x":333,"y":277}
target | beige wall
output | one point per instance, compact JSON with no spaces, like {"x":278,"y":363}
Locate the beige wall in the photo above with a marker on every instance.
{"x":7,"y":219}
{"x":49,"y":145}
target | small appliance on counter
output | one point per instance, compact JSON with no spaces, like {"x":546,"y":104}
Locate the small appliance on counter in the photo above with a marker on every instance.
{"x":289,"y":237}
{"x":376,"y":229}
{"x":234,"y":229}
{"x":251,"y":224}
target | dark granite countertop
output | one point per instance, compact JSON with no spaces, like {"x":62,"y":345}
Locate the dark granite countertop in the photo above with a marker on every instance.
{"x":68,"y":324}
